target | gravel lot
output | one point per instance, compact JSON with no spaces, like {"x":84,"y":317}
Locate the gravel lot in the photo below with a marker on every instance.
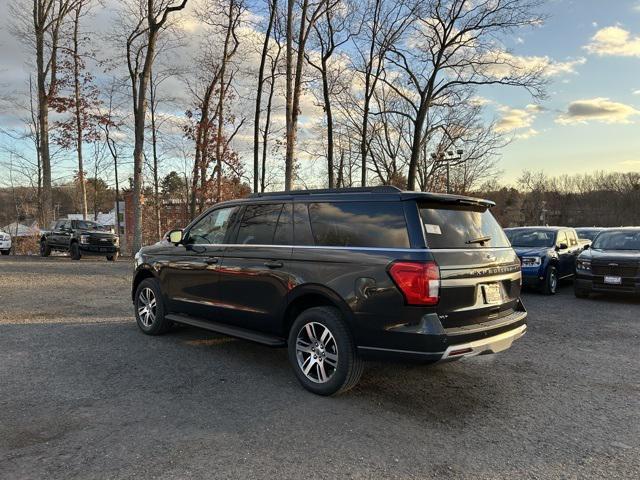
{"x":84,"y":394}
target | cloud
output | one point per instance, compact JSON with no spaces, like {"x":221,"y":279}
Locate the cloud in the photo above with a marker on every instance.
{"x":597,"y":109}
{"x":614,"y":41}
{"x":518,"y":121}
{"x":636,"y":92}
{"x":507,"y":63}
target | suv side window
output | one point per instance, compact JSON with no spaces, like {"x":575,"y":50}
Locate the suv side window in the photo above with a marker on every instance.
{"x":302,"y":226}
{"x":212,"y":228}
{"x":284,"y":229}
{"x":258,"y":224}
{"x":359,"y":224}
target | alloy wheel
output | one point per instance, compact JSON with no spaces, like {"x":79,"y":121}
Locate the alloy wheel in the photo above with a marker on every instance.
{"x":316,"y":352}
{"x":147,"y":307}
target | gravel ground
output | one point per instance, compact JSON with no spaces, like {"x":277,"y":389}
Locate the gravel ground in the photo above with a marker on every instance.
{"x":83,"y":394}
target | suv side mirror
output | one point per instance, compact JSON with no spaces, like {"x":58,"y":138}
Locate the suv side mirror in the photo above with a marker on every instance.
{"x":562,"y":246}
{"x":586,"y":246}
{"x":175,"y":236}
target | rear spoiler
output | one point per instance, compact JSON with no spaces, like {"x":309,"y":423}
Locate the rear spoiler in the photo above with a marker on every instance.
{"x":448,"y":199}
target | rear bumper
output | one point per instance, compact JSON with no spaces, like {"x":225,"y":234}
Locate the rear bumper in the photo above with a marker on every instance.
{"x":428,"y":341}
{"x":494,"y":344}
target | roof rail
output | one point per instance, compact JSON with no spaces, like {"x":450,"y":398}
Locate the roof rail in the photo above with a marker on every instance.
{"x":320,"y":191}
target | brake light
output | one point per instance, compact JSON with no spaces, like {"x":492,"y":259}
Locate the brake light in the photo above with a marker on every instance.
{"x":419,"y":282}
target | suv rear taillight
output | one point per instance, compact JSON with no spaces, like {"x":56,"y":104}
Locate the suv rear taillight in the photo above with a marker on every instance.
{"x":419,"y":282}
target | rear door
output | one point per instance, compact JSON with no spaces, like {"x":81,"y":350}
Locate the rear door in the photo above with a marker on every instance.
{"x":253,"y":281}
{"x":479,"y":271}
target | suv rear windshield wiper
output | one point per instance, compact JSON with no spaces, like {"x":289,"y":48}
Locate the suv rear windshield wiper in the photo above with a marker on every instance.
{"x":478,"y":240}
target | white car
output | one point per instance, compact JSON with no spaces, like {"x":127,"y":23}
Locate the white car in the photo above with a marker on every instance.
{"x":5,"y":243}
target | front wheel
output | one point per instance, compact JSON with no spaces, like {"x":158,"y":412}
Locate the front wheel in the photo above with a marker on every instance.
{"x":150,"y":308}
{"x":75,"y":251}
{"x":550,"y":281}
{"x":45,"y":250}
{"x":322,"y":352}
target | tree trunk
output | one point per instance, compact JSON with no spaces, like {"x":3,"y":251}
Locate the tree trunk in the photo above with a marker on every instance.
{"x":43,"y":124}
{"x":154,"y":143}
{"x":288,"y":161}
{"x":329,"y":116}
{"x":256,"y":122}
{"x":267,"y":126}
{"x":76,"y":88}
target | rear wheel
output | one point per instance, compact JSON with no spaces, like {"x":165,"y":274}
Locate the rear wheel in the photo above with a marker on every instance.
{"x":75,"y":251}
{"x":550,"y":281}
{"x":150,"y":308}
{"x":45,"y":250}
{"x":113,"y":258}
{"x":5,"y":252}
{"x":322,"y":352}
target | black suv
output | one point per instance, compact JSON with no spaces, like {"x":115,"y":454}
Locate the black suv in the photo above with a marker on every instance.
{"x":611,"y":264}
{"x":337,"y":276}
{"x":80,"y":237}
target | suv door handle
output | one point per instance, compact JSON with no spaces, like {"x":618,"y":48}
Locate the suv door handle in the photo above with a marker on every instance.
{"x":273,"y":264}
{"x":211,"y":261}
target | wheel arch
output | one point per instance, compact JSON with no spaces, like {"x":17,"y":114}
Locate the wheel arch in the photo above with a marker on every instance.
{"x":142,"y":273}
{"x":304,"y":297}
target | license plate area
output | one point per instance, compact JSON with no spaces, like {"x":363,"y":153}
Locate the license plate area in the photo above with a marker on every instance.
{"x":613,"y":280}
{"x":491,"y":293}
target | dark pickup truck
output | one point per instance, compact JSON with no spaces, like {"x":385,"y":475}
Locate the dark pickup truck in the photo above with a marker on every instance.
{"x":80,"y":237}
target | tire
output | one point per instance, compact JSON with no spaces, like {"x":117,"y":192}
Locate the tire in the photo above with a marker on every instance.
{"x":580,"y":292}
{"x":337,"y":343}
{"x":45,"y":250}
{"x":5,"y":252}
{"x":155,"y":322}
{"x":550,"y":281}
{"x":113,"y":258}
{"x":75,"y":251}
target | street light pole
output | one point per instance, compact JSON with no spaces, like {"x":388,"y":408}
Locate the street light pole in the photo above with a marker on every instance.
{"x":448,"y":158}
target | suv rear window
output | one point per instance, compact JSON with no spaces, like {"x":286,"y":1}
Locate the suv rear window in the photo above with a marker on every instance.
{"x":460,"y":226}
{"x":359,"y":224}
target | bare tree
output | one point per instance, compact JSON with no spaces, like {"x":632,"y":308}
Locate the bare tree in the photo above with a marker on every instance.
{"x":42,"y":33}
{"x":299,"y":22}
{"x":149,"y":19}
{"x":451,"y":49}
{"x":332,"y":31}
{"x":273,"y":15}
{"x":383,"y":24}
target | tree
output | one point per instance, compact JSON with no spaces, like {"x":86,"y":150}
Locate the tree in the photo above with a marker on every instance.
{"x":306,"y":17}
{"x":273,"y":15}
{"x":451,"y":49}
{"x":149,"y":20}
{"x":43,"y":35}
{"x":332,"y":31}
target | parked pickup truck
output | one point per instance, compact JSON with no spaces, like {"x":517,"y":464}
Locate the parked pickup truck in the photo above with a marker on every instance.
{"x":80,"y":237}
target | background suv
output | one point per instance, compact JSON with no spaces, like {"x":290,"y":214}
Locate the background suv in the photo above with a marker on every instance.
{"x":337,"y":276}
{"x":5,"y":243}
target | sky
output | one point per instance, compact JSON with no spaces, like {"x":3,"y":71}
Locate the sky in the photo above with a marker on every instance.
{"x":591,"y":118}
{"x":589,"y":121}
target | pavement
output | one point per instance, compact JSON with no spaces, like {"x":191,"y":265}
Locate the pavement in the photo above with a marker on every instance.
{"x":84,"y":394}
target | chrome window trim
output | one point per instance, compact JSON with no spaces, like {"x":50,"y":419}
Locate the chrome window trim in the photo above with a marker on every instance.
{"x":327,"y":247}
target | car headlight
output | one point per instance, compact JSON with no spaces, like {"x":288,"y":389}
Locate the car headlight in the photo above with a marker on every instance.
{"x":84,"y":238}
{"x":583,"y":265}
{"x":531,"y":261}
